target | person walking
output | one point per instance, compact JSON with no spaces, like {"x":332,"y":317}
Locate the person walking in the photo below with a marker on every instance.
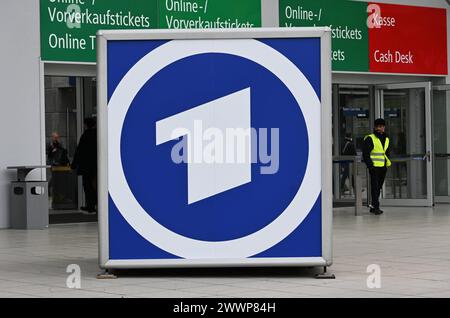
{"x":85,"y":163}
{"x":348,"y":150}
{"x":376,"y":153}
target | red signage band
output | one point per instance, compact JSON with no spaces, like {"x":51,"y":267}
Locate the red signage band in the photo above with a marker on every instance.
{"x":407,"y":39}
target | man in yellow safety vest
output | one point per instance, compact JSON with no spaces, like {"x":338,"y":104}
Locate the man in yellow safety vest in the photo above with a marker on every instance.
{"x":376,"y":154}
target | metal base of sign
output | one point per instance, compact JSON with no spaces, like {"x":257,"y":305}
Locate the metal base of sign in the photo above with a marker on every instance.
{"x":106,"y":274}
{"x":325,"y":275}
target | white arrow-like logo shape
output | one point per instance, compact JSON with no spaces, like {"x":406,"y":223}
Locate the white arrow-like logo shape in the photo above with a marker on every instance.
{"x":219,"y":143}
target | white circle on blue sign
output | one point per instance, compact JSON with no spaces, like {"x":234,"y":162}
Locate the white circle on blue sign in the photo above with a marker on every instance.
{"x":173,"y":242}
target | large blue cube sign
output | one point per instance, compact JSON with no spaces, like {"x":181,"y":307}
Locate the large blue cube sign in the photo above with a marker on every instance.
{"x":214,"y":148}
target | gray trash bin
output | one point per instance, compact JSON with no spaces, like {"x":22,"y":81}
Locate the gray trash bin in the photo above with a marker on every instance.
{"x":29,"y":201}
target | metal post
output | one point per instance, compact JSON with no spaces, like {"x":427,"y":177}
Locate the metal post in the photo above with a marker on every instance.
{"x":369,"y":190}
{"x":358,"y":187}
{"x":336,"y":144}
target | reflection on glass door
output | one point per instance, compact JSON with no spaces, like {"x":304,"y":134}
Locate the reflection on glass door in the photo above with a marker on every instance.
{"x":441,"y":143}
{"x":354,"y":117}
{"x":407,"y":111}
{"x":354,"y":113}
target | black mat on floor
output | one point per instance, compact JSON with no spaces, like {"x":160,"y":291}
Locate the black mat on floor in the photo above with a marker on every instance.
{"x":72,"y":218}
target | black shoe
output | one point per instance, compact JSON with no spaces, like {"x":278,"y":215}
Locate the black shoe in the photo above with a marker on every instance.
{"x":378,"y":212}
{"x":87,"y":209}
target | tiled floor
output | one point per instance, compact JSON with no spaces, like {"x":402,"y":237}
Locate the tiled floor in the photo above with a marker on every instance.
{"x":411,"y":246}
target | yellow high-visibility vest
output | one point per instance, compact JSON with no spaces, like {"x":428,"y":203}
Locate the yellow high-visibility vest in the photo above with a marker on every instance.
{"x":378,"y":153}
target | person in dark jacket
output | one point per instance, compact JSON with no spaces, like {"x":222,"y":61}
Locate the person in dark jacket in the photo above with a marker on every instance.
{"x":56,"y":157}
{"x":376,"y":153}
{"x":85,"y":163}
{"x":56,"y":153}
{"x":348,"y":150}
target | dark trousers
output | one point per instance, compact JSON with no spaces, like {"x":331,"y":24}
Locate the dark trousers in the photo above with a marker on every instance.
{"x":346,"y":175}
{"x":90,"y":190}
{"x":377,"y":176}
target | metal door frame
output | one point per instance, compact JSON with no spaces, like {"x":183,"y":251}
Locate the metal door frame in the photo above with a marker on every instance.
{"x":379,"y":112}
{"x":80,"y":116}
{"x":441,"y":199}
{"x":80,"y":89}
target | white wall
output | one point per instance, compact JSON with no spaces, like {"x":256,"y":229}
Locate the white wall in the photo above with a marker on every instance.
{"x":20,"y":114}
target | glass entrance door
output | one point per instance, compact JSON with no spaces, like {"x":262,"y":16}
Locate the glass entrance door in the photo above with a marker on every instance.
{"x":407,"y":111}
{"x":352,"y":115}
{"x":441,"y":143}
{"x":61,"y":120}
{"x":68,"y":101}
